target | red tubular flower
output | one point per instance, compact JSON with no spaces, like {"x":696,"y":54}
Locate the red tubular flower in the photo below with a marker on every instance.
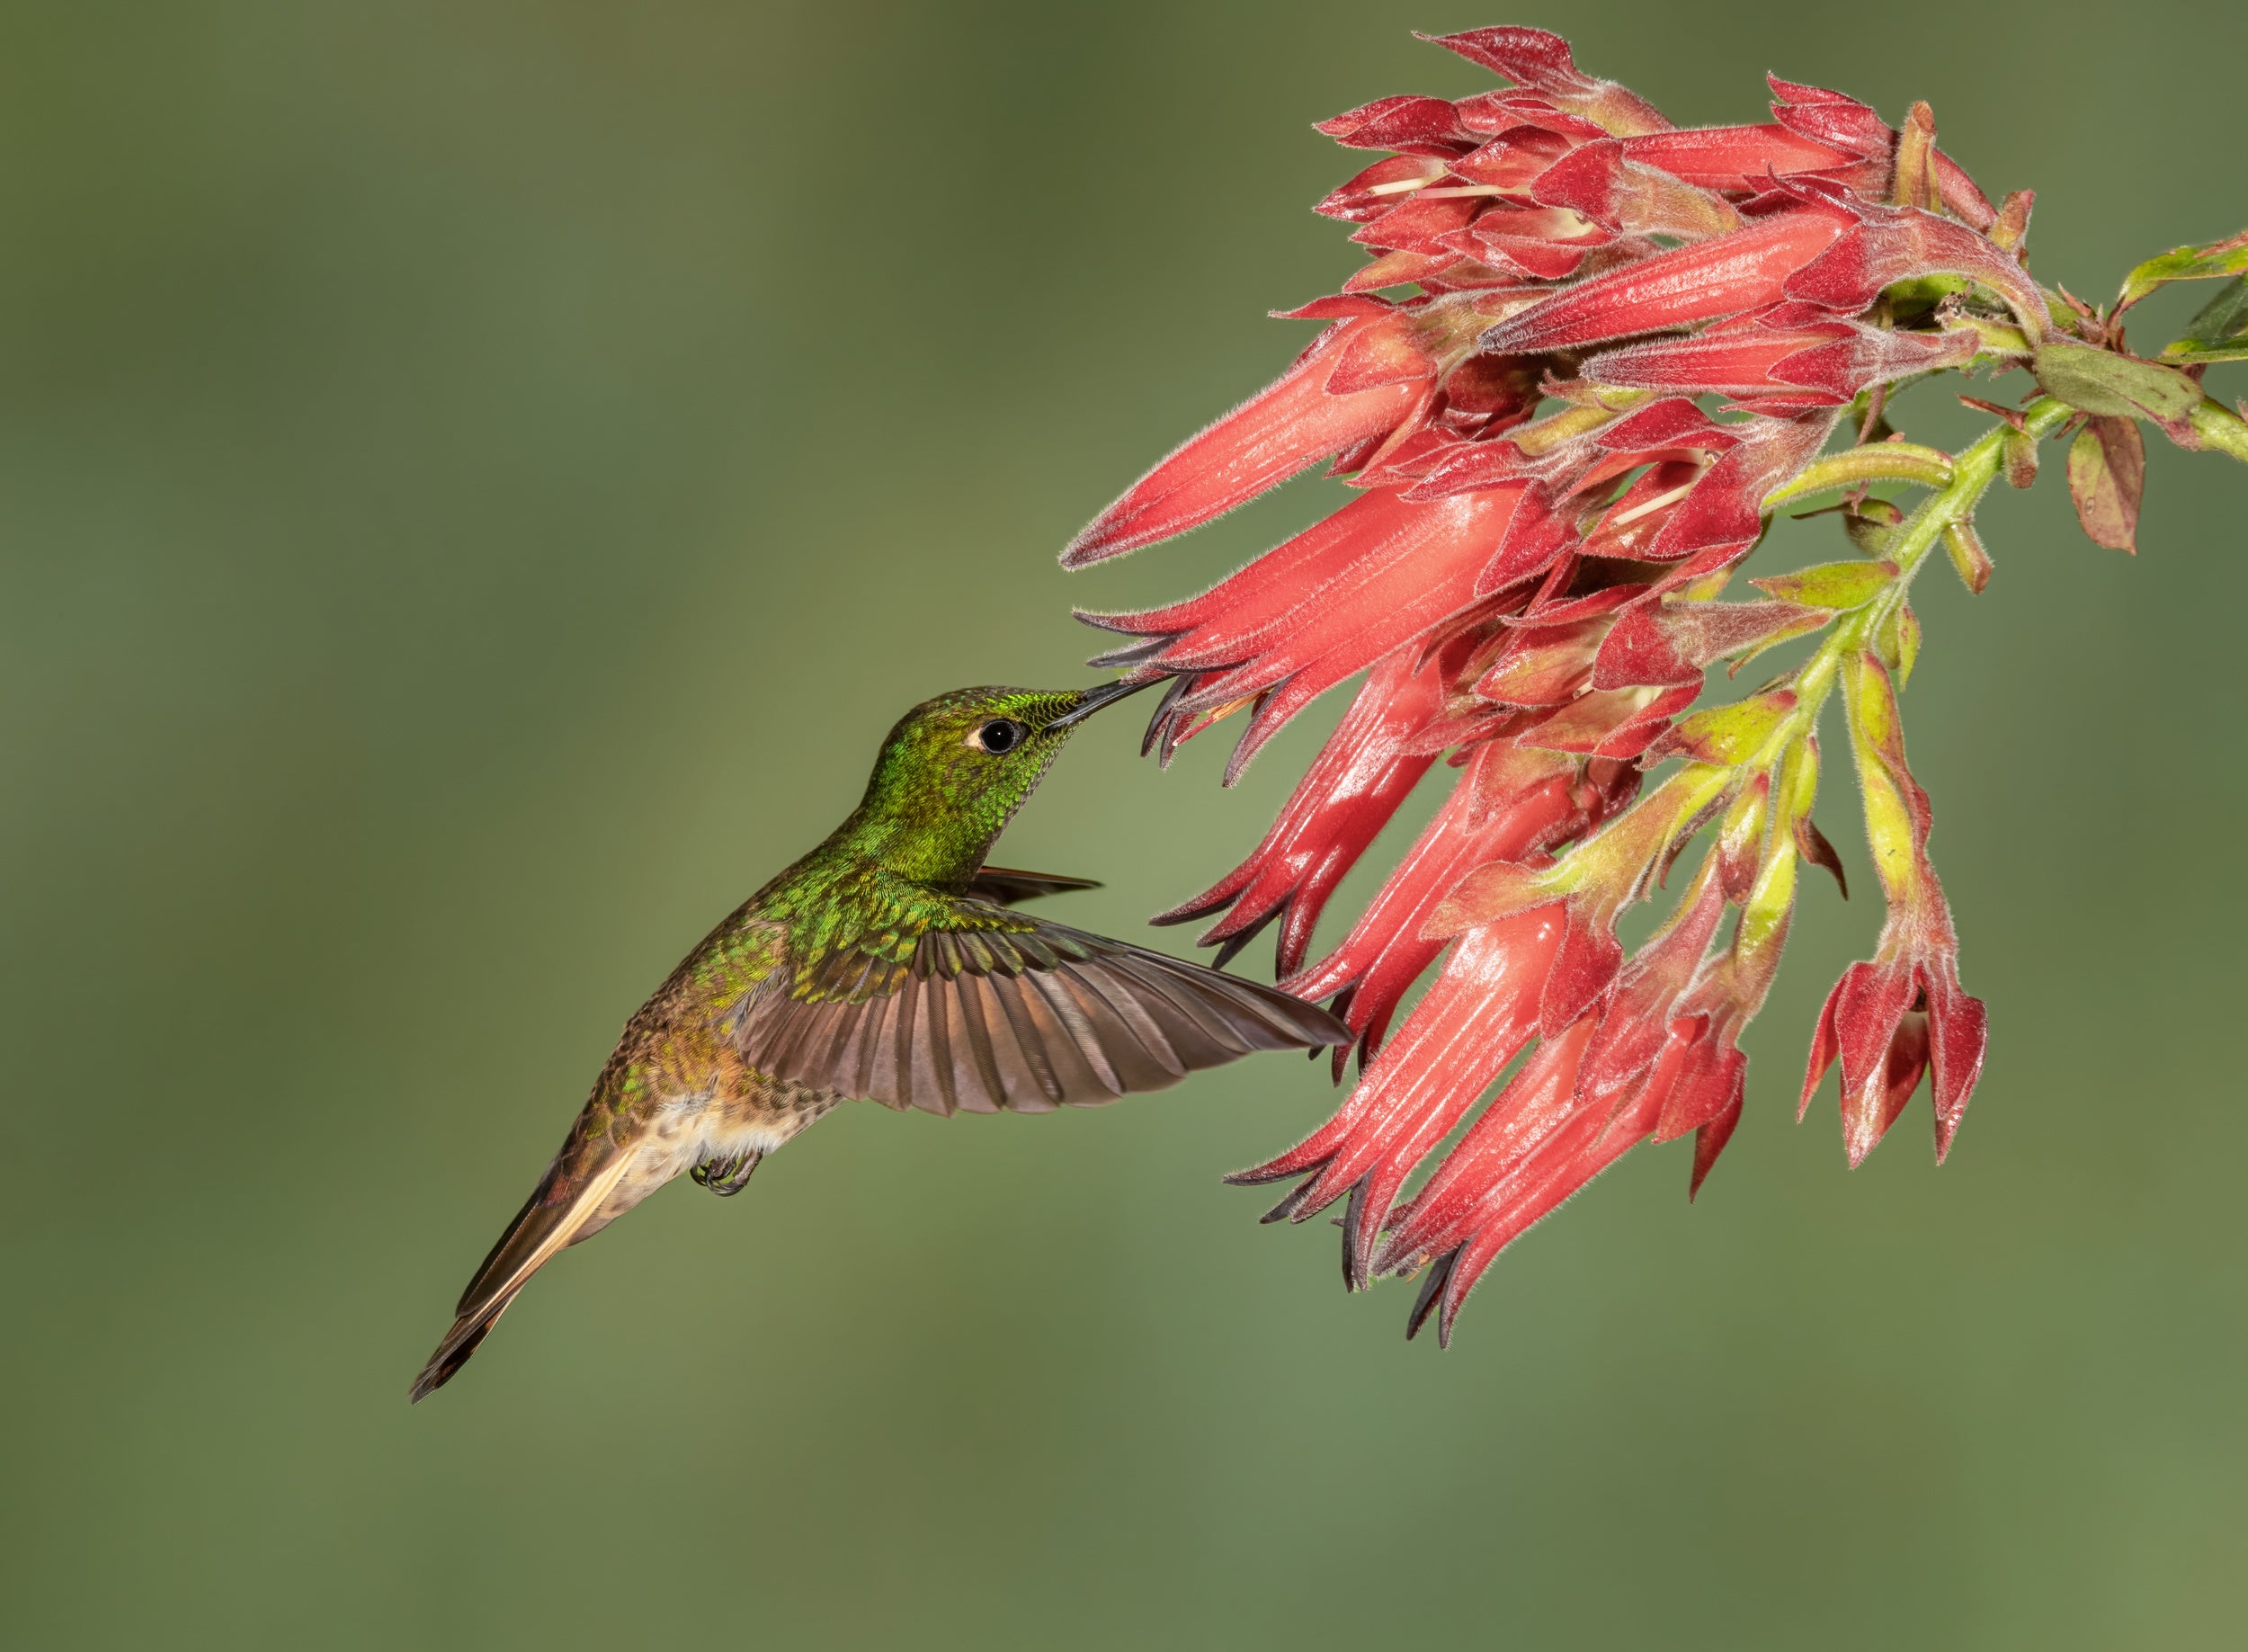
{"x":1878,"y":1020}
{"x":1367,"y":767}
{"x":1534,"y":1146}
{"x":1481,"y":1012}
{"x":1655,"y":1061}
{"x":1895,"y":1019}
{"x":1294,"y":422}
{"x":1628,"y":339}
{"x":1378,"y":573}
{"x":1747,"y":268}
{"x":1898,"y":244}
{"x":1511,"y":802}
{"x":1834,"y":360}
{"x":1718,"y":521}
{"x":1736,"y":160}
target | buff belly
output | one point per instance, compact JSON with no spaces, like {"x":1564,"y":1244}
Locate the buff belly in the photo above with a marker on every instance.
{"x":687,"y":1130}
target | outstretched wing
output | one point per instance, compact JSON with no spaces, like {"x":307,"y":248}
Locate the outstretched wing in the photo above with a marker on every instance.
{"x":1008,"y":887}
{"x":985,"y":1009}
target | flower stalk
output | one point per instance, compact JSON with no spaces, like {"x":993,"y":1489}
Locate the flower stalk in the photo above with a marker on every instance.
{"x":1590,"y":359}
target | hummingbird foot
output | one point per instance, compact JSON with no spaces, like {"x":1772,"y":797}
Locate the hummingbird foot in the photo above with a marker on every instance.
{"x":726,"y":1176}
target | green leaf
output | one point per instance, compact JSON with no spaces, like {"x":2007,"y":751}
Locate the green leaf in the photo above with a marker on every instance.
{"x":2116,"y":386}
{"x":2219,"y":332}
{"x":2185,"y":263}
{"x":2187,"y":353}
{"x":1839,"y":586}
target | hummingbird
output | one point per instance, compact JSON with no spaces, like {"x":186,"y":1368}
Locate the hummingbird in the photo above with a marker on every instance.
{"x":888,"y":965}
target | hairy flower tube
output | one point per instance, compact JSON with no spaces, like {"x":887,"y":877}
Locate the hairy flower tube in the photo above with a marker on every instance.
{"x":1590,"y":358}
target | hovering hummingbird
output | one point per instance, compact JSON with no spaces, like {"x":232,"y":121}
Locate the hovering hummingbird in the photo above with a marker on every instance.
{"x":889,"y":965}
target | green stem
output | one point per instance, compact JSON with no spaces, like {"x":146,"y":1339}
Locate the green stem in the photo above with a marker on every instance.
{"x":2221,"y":429}
{"x":1688,"y":794}
{"x":1972,"y":473}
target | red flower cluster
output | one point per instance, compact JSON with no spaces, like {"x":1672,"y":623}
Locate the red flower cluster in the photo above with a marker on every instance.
{"x":1622,"y":344}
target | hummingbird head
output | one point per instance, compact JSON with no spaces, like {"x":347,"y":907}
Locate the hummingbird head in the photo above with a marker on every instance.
{"x":955,"y":769}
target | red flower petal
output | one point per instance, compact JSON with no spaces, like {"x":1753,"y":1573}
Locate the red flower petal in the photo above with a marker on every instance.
{"x":1290,"y":424}
{"x":1385,"y":351}
{"x":1525,"y":1117}
{"x":1519,"y":1184}
{"x":1736,"y":158}
{"x":1374,"y":190}
{"x":1723,"y":515}
{"x":1710,"y":1079}
{"x":1476,"y":1017}
{"x":1710,"y":1138}
{"x":1422,"y":223}
{"x":1542,"y":61}
{"x":1628,"y":528}
{"x":1868,"y":1005}
{"x":1825,"y":1045}
{"x":1414,"y":125}
{"x":1508,"y":804}
{"x":1414,"y":564}
{"x":1583,"y":969}
{"x":1352,"y":789}
{"x":1832,"y":118}
{"x":1867,"y":356}
{"x":1716,"y":362}
{"x":1627,"y":198}
{"x":1745,"y":270}
{"x":1871,"y":1105}
{"x":1514,"y":160}
{"x":1894,"y":243}
{"x":1958,"y":1032}
{"x":1673,"y":421}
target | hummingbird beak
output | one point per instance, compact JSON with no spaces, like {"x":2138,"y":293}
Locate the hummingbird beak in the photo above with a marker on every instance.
{"x":1092,"y":700}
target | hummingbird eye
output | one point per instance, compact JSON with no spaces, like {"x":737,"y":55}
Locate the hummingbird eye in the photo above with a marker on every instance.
{"x":1000,"y":735}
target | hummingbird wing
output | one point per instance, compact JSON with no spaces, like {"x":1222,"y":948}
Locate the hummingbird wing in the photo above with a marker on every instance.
{"x":1006,"y":887}
{"x":986,"y":1009}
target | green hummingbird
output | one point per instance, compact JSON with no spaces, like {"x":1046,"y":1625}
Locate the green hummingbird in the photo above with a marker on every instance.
{"x":888,"y":965}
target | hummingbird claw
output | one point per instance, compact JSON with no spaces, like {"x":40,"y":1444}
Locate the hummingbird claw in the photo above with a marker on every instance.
{"x":726,"y":1176}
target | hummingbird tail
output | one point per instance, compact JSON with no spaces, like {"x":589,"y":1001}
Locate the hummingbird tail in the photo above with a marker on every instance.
{"x":559,"y":1214}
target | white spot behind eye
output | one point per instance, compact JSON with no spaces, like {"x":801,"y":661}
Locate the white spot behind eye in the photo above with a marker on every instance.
{"x":1016,"y":732}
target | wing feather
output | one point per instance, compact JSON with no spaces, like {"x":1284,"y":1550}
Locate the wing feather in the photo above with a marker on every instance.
{"x":1005,"y":886}
{"x":993,"y":1011}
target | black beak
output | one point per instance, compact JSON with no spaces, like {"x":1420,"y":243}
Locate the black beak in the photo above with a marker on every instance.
{"x":1092,"y":700}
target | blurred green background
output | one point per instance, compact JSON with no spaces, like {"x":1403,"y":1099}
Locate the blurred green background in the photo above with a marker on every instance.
{"x":478,"y":479}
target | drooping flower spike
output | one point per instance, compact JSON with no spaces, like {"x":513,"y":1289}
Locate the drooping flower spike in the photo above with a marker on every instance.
{"x":1589,"y":358}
